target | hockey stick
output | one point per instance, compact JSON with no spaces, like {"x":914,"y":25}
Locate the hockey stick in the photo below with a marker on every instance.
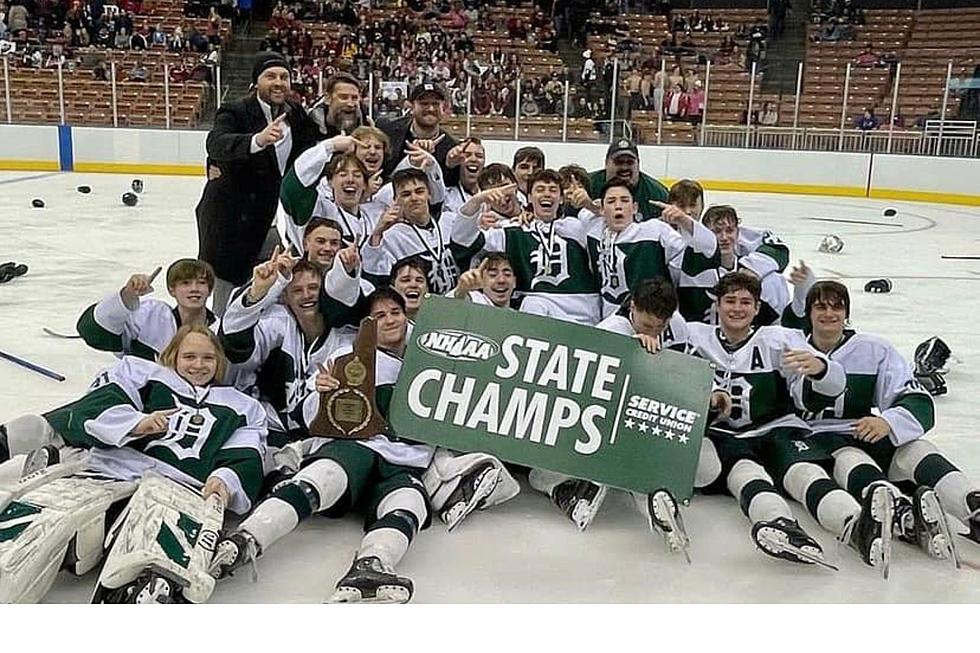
{"x":31,"y":366}
{"x":55,"y":334}
{"x":960,"y":258}
{"x":876,"y":224}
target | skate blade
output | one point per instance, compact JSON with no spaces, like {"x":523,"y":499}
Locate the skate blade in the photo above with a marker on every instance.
{"x":583,"y":517}
{"x":675,"y":535}
{"x":778,"y":546}
{"x":386,"y":594}
{"x":933,"y":512}
{"x":882,"y":511}
{"x":486,"y":487}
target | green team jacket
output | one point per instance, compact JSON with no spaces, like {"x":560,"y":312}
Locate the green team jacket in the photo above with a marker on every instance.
{"x":646,"y":189}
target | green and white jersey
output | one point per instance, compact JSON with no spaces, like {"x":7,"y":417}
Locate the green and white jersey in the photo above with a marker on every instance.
{"x":696,"y":276}
{"x":405,"y":240}
{"x":305,"y":194}
{"x":217,"y":431}
{"x":673,"y":337}
{"x":879,"y":382}
{"x":398,"y":450}
{"x":145,"y":331}
{"x":273,"y":357}
{"x":761,"y":251}
{"x":764,"y":393}
{"x":643,"y":250}
{"x":550,"y":261}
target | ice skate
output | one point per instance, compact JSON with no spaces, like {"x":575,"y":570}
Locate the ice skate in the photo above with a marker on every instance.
{"x":233,"y":551}
{"x":784,"y":539}
{"x":922,"y":522}
{"x":579,"y":500}
{"x":870,"y":532}
{"x":368,"y":581}
{"x":41,"y":459}
{"x":471,"y":494}
{"x":973,"y":521}
{"x":666,"y":518}
{"x":149,"y":587}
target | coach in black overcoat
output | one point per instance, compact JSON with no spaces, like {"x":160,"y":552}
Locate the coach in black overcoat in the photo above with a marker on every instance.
{"x":253,"y":143}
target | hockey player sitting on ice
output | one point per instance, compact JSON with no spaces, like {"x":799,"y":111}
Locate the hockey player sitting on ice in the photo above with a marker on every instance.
{"x":408,"y":229}
{"x":330,"y":180}
{"x":645,"y":316}
{"x":768,"y":372}
{"x":696,"y":278}
{"x":275,"y":331}
{"x":548,"y":253}
{"x":624,"y":252}
{"x":878,"y":424}
{"x":128,"y":322}
{"x":379,"y":475}
{"x":167,"y":424}
{"x":471,"y":158}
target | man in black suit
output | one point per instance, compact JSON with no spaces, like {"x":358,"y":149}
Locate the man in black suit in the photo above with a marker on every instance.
{"x":422,"y":126}
{"x":253,"y":142}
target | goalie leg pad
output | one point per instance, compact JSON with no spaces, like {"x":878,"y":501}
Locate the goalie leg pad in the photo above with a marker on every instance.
{"x":168,"y":529}
{"x":37,"y":527}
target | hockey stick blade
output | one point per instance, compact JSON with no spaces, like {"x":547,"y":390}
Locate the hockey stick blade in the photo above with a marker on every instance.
{"x":55,"y":334}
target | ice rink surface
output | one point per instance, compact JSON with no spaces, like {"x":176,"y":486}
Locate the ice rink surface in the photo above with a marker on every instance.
{"x":81,"y":247}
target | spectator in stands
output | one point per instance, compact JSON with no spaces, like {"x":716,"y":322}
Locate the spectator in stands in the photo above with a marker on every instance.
{"x":646,"y":89}
{"x":868,"y":121}
{"x":158,"y":36}
{"x":424,"y":124}
{"x":768,"y":117}
{"x":675,"y":103}
{"x":253,"y":142}
{"x":623,"y":162}
{"x":868,"y":57}
{"x":695,"y":103}
{"x":676,"y":77}
{"x":17,"y":17}
{"x":121,"y":42}
{"x":139,"y":41}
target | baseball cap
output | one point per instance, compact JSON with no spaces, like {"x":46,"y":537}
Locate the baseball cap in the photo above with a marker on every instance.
{"x":427,"y":87}
{"x":622,"y":146}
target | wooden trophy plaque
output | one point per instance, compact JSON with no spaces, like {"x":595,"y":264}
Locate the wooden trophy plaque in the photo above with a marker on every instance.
{"x":350,"y":412}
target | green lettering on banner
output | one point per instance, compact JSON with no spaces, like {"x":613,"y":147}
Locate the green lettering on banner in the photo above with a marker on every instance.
{"x":553,"y":395}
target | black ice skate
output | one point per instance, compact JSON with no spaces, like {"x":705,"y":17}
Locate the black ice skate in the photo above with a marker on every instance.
{"x":870,"y":532}
{"x":368,"y":581}
{"x":666,"y":518}
{"x":579,"y":500}
{"x":922,"y":522}
{"x":233,"y":551}
{"x":784,"y":539}
{"x":471,"y":494}
{"x":149,"y":587}
{"x":973,"y":521}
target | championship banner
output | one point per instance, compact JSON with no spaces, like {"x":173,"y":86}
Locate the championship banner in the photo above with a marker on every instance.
{"x":553,"y":395}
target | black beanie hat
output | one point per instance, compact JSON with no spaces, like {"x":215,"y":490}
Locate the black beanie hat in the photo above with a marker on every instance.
{"x":266,"y":60}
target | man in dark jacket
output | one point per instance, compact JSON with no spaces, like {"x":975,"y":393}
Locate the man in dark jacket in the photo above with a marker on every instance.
{"x":340,"y":108}
{"x":253,"y":142}
{"x":428,"y":100}
{"x":623,"y":163}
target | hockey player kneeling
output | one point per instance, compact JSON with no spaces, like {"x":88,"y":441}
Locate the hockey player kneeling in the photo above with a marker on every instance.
{"x":186,"y":449}
{"x":379,"y":475}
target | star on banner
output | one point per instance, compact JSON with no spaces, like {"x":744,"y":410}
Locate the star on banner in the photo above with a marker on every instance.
{"x":643,"y":427}
{"x":629,"y":423}
{"x":683,"y":439}
{"x":669,"y":434}
{"x":655,"y":431}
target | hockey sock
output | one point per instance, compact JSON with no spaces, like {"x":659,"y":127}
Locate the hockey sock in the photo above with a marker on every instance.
{"x":855,"y":471}
{"x":400,"y":515}
{"x":752,"y":487}
{"x":316,"y":487}
{"x":25,"y":434}
{"x":826,"y":502}
{"x":544,"y":481}
{"x":921,"y":462}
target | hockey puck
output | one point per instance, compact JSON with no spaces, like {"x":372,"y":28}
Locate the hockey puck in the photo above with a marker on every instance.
{"x":85,"y":190}
{"x":37,"y":203}
{"x":878,"y":286}
{"x":889,"y":212}
{"x":137,"y":185}
{"x":129,"y":199}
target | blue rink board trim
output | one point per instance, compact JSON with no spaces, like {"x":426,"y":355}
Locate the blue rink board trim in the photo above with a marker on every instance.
{"x":66,"y":152}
